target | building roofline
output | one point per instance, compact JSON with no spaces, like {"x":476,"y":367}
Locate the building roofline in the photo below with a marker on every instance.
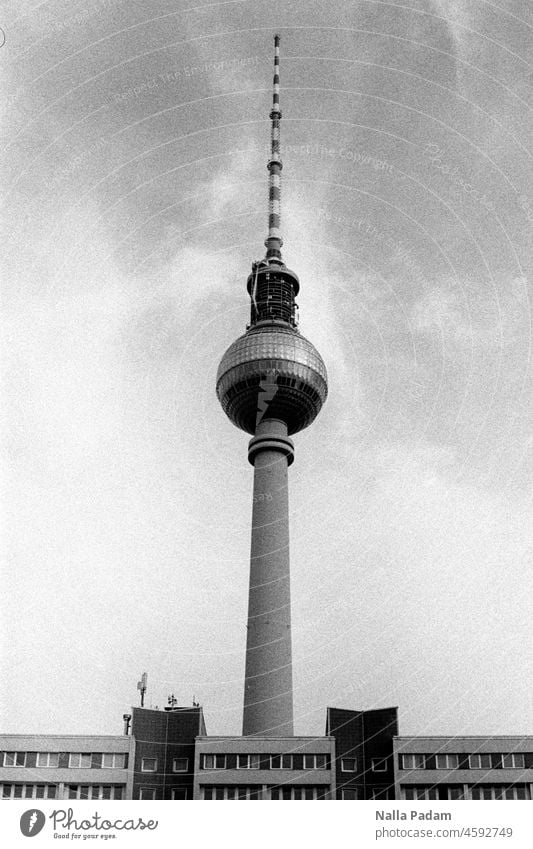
{"x":462,"y":737}
{"x":66,"y":736}
{"x":200,"y":737}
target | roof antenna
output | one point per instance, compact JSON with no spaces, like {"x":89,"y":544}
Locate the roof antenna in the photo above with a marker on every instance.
{"x":273,"y":242}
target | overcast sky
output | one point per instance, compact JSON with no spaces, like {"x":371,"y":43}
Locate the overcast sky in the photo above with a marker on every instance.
{"x":134,"y":204}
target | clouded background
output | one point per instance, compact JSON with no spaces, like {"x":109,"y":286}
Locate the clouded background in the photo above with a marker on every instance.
{"x":135,"y":200}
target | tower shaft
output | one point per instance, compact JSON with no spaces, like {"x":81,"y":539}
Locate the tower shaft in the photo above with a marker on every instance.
{"x":268,"y":700}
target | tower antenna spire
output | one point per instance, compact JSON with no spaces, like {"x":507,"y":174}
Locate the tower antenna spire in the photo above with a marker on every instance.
{"x":273,"y":242}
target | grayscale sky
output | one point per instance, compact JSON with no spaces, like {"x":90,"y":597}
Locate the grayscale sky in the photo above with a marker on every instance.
{"x":135,"y":200}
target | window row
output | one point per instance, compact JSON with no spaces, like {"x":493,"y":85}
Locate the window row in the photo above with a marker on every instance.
{"x":95,"y":791}
{"x":72,"y":791}
{"x":28,"y":791}
{"x":477,"y":791}
{"x":352,"y":793}
{"x":376,"y":765}
{"x":178,"y":765}
{"x":76,"y":760}
{"x":150,"y":793}
{"x":513,"y":760}
{"x":265,"y":762}
{"x":292,"y":793}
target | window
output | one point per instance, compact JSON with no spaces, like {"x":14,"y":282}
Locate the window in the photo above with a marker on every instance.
{"x":48,"y":759}
{"x":455,"y":793}
{"x":514,"y":761}
{"x":349,"y":794}
{"x":28,"y":791}
{"x":14,"y":758}
{"x":383,"y":793}
{"x":78,"y":760}
{"x":421,"y":792}
{"x":111,"y":760}
{"x":79,"y":791}
{"x":349,"y":764}
{"x":231,"y":793}
{"x":180,"y":764}
{"x":281,"y":762}
{"x":379,"y":765}
{"x":432,"y":791}
{"x":413,"y":762}
{"x":446,"y":761}
{"x":480,"y":761}
{"x":214,"y":761}
{"x":501,"y":791}
{"x":247,"y":761}
{"x":315,"y":762}
{"x":178,"y":793}
{"x":149,"y":765}
{"x":292,"y":793}
{"x":147,"y":793}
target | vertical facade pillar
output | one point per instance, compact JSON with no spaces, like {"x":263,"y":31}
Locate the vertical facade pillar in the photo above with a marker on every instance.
{"x":268,"y":697}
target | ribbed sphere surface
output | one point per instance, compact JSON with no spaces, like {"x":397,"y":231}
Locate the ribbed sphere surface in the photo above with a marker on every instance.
{"x":275,"y":371}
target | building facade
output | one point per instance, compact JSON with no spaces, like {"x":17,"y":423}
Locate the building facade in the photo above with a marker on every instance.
{"x":463,"y":767}
{"x":268,"y":768}
{"x":364,"y":761}
{"x":168,"y":756}
{"x":66,"y":767}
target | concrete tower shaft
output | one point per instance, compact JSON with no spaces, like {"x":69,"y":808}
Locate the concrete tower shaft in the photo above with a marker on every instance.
{"x":271,"y":383}
{"x":268,"y":675}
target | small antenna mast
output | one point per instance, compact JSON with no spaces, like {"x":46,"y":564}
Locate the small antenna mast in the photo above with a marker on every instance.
{"x":141,"y":685}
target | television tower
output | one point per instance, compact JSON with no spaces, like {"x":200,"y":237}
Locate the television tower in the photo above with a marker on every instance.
{"x":271,"y":382}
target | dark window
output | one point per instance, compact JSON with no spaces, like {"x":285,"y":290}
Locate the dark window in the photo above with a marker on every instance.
{"x":214,"y":762}
{"x":412,"y":762}
{"x":349,"y":794}
{"x":147,"y":793}
{"x":480,"y":761}
{"x":179,"y":793}
{"x":14,"y":758}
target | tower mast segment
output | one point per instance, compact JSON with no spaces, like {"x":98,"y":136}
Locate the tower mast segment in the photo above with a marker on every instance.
{"x":271,"y":383}
{"x":273,"y":242}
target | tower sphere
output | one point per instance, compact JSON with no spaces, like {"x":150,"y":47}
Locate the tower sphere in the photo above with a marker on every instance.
{"x":272,"y":365}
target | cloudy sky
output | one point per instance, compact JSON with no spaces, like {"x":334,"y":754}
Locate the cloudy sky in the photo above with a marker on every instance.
{"x":134,"y":203}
